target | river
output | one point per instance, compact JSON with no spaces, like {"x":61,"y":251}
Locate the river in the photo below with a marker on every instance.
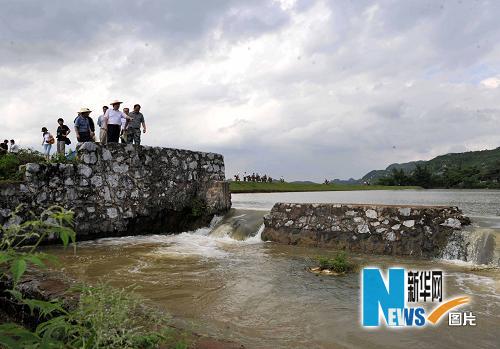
{"x":225,"y":282}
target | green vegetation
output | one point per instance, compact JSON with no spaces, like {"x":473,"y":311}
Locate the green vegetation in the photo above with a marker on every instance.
{"x":449,"y":177}
{"x":476,"y":169}
{"x":9,"y":163}
{"x":198,"y":207}
{"x":103,"y":318}
{"x":253,"y":187}
{"x":338,"y":264}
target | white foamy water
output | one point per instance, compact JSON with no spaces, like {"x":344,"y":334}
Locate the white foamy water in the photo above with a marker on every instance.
{"x":193,"y":243}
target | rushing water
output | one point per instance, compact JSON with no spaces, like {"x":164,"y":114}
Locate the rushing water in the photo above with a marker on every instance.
{"x":226,"y":283}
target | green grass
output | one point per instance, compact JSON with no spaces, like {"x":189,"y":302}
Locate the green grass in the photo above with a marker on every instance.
{"x":251,"y":187}
{"x":339,"y":263}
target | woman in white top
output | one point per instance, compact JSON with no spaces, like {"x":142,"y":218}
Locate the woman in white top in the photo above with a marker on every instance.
{"x":48,"y":139}
{"x":113,"y":121}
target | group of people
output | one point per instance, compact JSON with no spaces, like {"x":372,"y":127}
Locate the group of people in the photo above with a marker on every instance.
{"x":254,"y":177}
{"x":8,"y":147}
{"x":114,"y":126}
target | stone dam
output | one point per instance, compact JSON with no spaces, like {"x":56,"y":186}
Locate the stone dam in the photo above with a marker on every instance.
{"x":118,"y":190}
{"x":422,"y":231}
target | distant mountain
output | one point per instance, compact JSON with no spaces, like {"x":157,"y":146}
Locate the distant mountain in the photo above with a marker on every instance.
{"x":303,"y":182}
{"x":484,"y":161}
{"x":345,"y":181}
{"x":375,"y":175}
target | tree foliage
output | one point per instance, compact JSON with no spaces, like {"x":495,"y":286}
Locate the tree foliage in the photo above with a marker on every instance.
{"x":450,"y":177}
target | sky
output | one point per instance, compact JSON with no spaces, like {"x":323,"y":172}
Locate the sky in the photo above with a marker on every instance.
{"x":302,"y":89}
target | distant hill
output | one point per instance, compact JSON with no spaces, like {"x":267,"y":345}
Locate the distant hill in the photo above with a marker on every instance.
{"x":407,"y":167}
{"x":303,"y":182}
{"x":350,"y":181}
{"x":485,"y":161}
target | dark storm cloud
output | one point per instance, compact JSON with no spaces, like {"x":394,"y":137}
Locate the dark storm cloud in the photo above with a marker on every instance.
{"x":61,"y":31}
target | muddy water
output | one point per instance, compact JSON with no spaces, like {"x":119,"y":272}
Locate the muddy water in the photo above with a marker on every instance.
{"x":261,"y":295}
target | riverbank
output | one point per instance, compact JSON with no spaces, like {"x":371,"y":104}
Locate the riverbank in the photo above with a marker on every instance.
{"x":252,"y":187}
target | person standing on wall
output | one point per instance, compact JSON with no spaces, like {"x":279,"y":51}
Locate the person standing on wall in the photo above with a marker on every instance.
{"x":47,"y":142}
{"x":83,"y":128}
{"x":113,"y":121}
{"x":62,"y":137}
{"x":13,"y":148}
{"x":4,"y":147}
{"x":123,"y":132}
{"x":134,"y":126}
{"x":103,"y":134}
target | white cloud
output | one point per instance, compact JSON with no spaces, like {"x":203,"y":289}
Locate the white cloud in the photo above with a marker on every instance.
{"x":493,"y":82}
{"x":303,"y":89}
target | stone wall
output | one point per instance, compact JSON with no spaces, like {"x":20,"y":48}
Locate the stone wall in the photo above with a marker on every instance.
{"x":378,"y":229}
{"x":126,"y":189}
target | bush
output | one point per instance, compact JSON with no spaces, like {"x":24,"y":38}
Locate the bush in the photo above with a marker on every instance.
{"x":108,"y":318}
{"x":9,"y":163}
{"x":338,"y":264}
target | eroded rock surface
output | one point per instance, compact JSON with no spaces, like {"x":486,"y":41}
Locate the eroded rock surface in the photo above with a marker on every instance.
{"x":126,"y":189}
{"x":379,"y":229}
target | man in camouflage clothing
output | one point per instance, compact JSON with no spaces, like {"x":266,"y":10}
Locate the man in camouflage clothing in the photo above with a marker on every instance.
{"x":134,"y":126}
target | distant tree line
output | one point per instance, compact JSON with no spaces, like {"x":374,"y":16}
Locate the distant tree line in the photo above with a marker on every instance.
{"x":470,"y":177}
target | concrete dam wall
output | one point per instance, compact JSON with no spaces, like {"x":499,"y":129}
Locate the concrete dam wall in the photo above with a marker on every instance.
{"x":380,"y":229}
{"x":122,"y":189}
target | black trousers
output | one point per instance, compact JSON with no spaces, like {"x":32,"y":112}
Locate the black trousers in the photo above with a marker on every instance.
{"x":113,"y":133}
{"x":85,"y":137}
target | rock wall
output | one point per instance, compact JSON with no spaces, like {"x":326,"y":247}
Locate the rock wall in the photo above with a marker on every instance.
{"x":126,"y":189}
{"x":378,"y":229}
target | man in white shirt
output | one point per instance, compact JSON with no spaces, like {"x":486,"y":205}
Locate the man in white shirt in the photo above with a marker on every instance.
{"x":14,"y":148}
{"x":103,"y":133}
{"x":113,"y":121}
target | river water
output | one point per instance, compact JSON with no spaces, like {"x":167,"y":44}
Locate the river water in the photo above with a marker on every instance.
{"x":225,"y":282}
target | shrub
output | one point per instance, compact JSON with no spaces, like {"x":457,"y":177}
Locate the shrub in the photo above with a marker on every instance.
{"x":9,"y":163}
{"x":338,"y":264}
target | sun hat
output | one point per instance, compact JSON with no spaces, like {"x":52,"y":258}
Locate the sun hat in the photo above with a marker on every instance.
{"x":85,"y":110}
{"x":115,"y":102}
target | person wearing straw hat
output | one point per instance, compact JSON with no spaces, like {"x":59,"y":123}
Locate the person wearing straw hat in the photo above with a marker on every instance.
{"x":83,"y":127}
{"x":113,"y":121}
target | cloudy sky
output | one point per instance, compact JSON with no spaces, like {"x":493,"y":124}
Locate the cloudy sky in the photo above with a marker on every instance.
{"x":303,"y":89}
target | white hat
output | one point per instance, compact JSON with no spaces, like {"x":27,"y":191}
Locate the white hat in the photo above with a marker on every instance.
{"x":115,"y":102}
{"x":85,"y":110}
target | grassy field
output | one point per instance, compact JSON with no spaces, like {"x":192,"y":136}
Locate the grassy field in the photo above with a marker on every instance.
{"x":251,"y":187}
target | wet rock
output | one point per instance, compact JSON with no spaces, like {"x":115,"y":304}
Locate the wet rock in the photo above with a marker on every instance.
{"x":424,"y":232}
{"x":409,"y":223}
{"x":371,"y":214}
{"x":452,"y":222}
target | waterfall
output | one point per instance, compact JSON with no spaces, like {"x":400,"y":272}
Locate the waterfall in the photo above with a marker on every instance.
{"x":476,"y":245}
{"x":241,"y":225}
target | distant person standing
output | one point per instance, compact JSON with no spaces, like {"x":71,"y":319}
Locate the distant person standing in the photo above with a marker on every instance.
{"x":83,"y":129}
{"x":134,"y":126}
{"x":113,"y":121}
{"x":4,"y":147}
{"x":14,"y":148}
{"x":47,"y":142}
{"x":103,"y":134}
{"x":62,"y":136}
{"x":123,"y":132}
